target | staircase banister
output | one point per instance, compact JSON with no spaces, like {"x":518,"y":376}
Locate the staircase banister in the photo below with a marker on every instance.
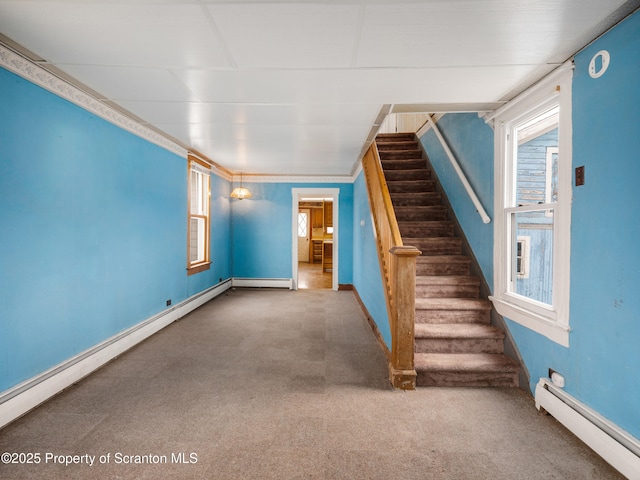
{"x":376,"y":164}
{"x":397,"y":268}
{"x":456,"y":166}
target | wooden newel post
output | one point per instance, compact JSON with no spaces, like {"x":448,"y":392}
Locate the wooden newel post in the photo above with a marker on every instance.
{"x":401,"y":369}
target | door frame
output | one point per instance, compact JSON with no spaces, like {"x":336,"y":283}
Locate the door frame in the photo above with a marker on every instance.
{"x":297,"y":194}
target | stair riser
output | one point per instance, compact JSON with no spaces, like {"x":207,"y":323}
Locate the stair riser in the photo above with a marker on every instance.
{"x":457,"y":345}
{"x":417,"y":214}
{"x":426,"y":231}
{"x":439,"y":246}
{"x":447,"y":291}
{"x":411,"y":186}
{"x":424,"y":199}
{"x":401,"y":174}
{"x":395,"y":137}
{"x":442,"y":269}
{"x":452,"y":316}
{"x":389,"y":151}
{"x":466,"y":379}
{"x":402,"y":163}
{"x":398,"y":146}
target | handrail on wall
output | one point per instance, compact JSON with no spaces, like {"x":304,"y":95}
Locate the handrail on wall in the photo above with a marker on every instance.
{"x":398,"y":270}
{"x":461,"y":175}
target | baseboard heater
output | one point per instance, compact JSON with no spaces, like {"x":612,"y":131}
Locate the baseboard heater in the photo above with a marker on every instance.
{"x":620,"y":449}
{"x":262,"y":282}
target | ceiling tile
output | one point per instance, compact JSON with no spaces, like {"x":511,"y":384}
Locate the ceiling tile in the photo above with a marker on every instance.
{"x":130,"y":83}
{"x":115,"y":33}
{"x":288,"y":35}
{"x":471,"y":32}
{"x":228,"y":113}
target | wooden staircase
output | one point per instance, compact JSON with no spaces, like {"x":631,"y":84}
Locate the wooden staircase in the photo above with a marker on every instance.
{"x":455,"y":345}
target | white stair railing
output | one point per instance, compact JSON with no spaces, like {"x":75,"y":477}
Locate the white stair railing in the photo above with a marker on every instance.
{"x":461,"y":175}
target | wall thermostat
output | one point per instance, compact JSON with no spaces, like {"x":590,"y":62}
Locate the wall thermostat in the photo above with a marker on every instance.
{"x":599,"y":64}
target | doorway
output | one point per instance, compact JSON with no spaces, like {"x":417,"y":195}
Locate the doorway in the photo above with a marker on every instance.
{"x":315,"y":238}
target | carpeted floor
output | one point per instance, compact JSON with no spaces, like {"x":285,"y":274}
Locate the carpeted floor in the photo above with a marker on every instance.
{"x":273,"y":384}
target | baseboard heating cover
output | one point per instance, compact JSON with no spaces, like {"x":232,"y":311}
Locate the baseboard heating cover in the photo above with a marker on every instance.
{"x":620,"y":449}
{"x":262,"y":282}
{"x":27,"y":395}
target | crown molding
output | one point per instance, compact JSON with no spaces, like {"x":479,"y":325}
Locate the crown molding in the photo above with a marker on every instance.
{"x":249,"y":178}
{"x":43,"y":78}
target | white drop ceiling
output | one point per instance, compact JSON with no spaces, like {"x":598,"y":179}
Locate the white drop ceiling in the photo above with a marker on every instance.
{"x":296,"y":87}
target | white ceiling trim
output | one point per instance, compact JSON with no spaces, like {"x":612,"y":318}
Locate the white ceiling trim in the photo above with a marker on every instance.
{"x":294,"y":178}
{"x":39,"y":76}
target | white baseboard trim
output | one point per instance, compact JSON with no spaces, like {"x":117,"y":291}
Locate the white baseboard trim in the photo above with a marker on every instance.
{"x":613,"y":444}
{"x":27,"y":395}
{"x":263,"y":282}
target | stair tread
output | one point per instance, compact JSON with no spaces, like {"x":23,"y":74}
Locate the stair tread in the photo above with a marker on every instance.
{"x":461,"y":362}
{"x":453,"y":304}
{"x":447,"y":280}
{"x":457,"y":331}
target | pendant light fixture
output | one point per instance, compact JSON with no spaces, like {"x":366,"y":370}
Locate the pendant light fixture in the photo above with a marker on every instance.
{"x":241,"y":192}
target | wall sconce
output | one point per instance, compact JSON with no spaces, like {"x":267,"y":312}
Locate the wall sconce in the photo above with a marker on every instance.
{"x":241,"y":192}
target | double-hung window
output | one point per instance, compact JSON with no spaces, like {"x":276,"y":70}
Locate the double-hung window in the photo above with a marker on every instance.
{"x":533,"y":207}
{"x":198,"y":224}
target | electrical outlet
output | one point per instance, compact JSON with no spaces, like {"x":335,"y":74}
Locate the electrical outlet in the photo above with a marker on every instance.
{"x":579,"y":176}
{"x":168,"y":302}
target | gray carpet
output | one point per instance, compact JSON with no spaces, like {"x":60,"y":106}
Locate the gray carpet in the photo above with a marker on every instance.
{"x":273,"y":384}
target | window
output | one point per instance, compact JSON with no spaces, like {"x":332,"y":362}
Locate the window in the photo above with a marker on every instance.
{"x":533,"y":207}
{"x":198,"y":225}
{"x":522,"y":257}
{"x":303,"y":222}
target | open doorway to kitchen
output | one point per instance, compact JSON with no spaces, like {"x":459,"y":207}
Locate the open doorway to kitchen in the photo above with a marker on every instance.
{"x":315,"y":238}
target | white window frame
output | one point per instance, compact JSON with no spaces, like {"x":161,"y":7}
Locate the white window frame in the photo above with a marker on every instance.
{"x":200,"y":211}
{"x":552,"y":321}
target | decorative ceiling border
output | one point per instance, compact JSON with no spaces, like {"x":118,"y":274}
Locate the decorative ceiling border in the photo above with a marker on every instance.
{"x":39,"y":76}
{"x":248,"y":178}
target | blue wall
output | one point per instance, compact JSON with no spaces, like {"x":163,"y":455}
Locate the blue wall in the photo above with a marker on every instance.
{"x":92,"y":230}
{"x":366,"y":268}
{"x":471,"y":141}
{"x":261,"y":231}
{"x":602,"y":363}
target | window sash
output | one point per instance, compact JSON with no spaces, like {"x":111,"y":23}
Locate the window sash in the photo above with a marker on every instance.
{"x":198,"y":217}
{"x":537,"y":224}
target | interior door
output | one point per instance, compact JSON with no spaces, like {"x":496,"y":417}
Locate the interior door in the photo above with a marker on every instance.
{"x":304,"y":236}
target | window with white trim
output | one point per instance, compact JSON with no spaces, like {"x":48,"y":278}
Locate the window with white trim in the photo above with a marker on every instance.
{"x":198,"y":224}
{"x":533,"y":207}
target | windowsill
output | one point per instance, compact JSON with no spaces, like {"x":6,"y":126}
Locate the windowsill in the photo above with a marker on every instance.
{"x":544,"y":326}
{"x":198,"y":268}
